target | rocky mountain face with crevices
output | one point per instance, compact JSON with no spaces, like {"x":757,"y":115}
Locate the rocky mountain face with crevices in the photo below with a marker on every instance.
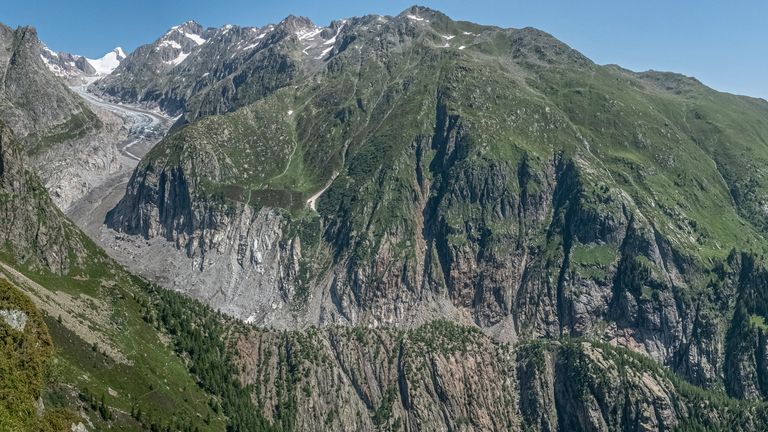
{"x":78,"y":70}
{"x":66,"y":65}
{"x":446,"y":377}
{"x":34,"y":103}
{"x":194,"y":72}
{"x":425,"y":168}
{"x":34,"y":232}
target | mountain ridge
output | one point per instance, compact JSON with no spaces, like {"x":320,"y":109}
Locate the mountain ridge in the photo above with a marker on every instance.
{"x":26,"y":82}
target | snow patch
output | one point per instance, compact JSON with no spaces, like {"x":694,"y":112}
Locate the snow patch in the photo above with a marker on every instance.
{"x":332,"y":40}
{"x":179,"y":58}
{"x":448,"y":37}
{"x":50,"y":51}
{"x":52,"y":67}
{"x":416,"y":18}
{"x":462,"y":47}
{"x":309,"y":33}
{"x":325,"y":51}
{"x":290,"y":112}
{"x":169,"y":43}
{"x":251,"y":46}
{"x":195,"y":38}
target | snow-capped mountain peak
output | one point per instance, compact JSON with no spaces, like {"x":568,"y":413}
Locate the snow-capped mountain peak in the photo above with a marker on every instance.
{"x":106,"y":64}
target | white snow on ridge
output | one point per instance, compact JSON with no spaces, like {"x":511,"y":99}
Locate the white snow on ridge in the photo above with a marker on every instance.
{"x":108,"y":63}
{"x":332,"y":40}
{"x":170,"y":43}
{"x":416,"y":18}
{"x":177,"y":61}
{"x":309,"y":34}
{"x":447,"y":37}
{"x":176,"y":27}
{"x":53,"y":67}
{"x":325,"y":51}
{"x":195,"y":38}
{"x":462,"y":47}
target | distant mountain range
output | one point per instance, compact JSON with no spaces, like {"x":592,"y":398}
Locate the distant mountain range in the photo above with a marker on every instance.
{"x":75,"y":67}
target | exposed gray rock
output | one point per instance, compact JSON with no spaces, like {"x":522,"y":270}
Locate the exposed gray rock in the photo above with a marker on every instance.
{"x":14,"y":318}
{"x":34,"y":103}
{"x":35,"y":233}
{"x":79,"y":427}
{"x":443,"y":377}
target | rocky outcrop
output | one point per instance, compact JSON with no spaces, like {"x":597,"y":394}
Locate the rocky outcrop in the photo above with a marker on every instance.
{"x":240,"y":250}
{"x":34,"y":103}
{"x":433,"y":378}
{"x":15,"y":318}
{"x":33,"y":232}
{"x":441,"y":376}
{"x":73,"y":68}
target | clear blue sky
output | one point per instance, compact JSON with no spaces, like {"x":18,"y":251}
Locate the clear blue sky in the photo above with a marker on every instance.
{"x":724,"y":44}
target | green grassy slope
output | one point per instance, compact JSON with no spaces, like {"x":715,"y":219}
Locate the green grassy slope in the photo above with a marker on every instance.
{"x":105,"y":350}
{"x":687,"y":156}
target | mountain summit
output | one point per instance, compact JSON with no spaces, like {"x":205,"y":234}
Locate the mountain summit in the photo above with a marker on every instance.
{"x":109,"y":62}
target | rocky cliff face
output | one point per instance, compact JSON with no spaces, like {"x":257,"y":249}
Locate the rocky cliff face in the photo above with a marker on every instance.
{"x":34,"y":233}
{"x":446,"y":377}
{"x":492,"y":177}
{"x":425,"y":169}
{"x":34,"y":103}
{"x":68,"y":66}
